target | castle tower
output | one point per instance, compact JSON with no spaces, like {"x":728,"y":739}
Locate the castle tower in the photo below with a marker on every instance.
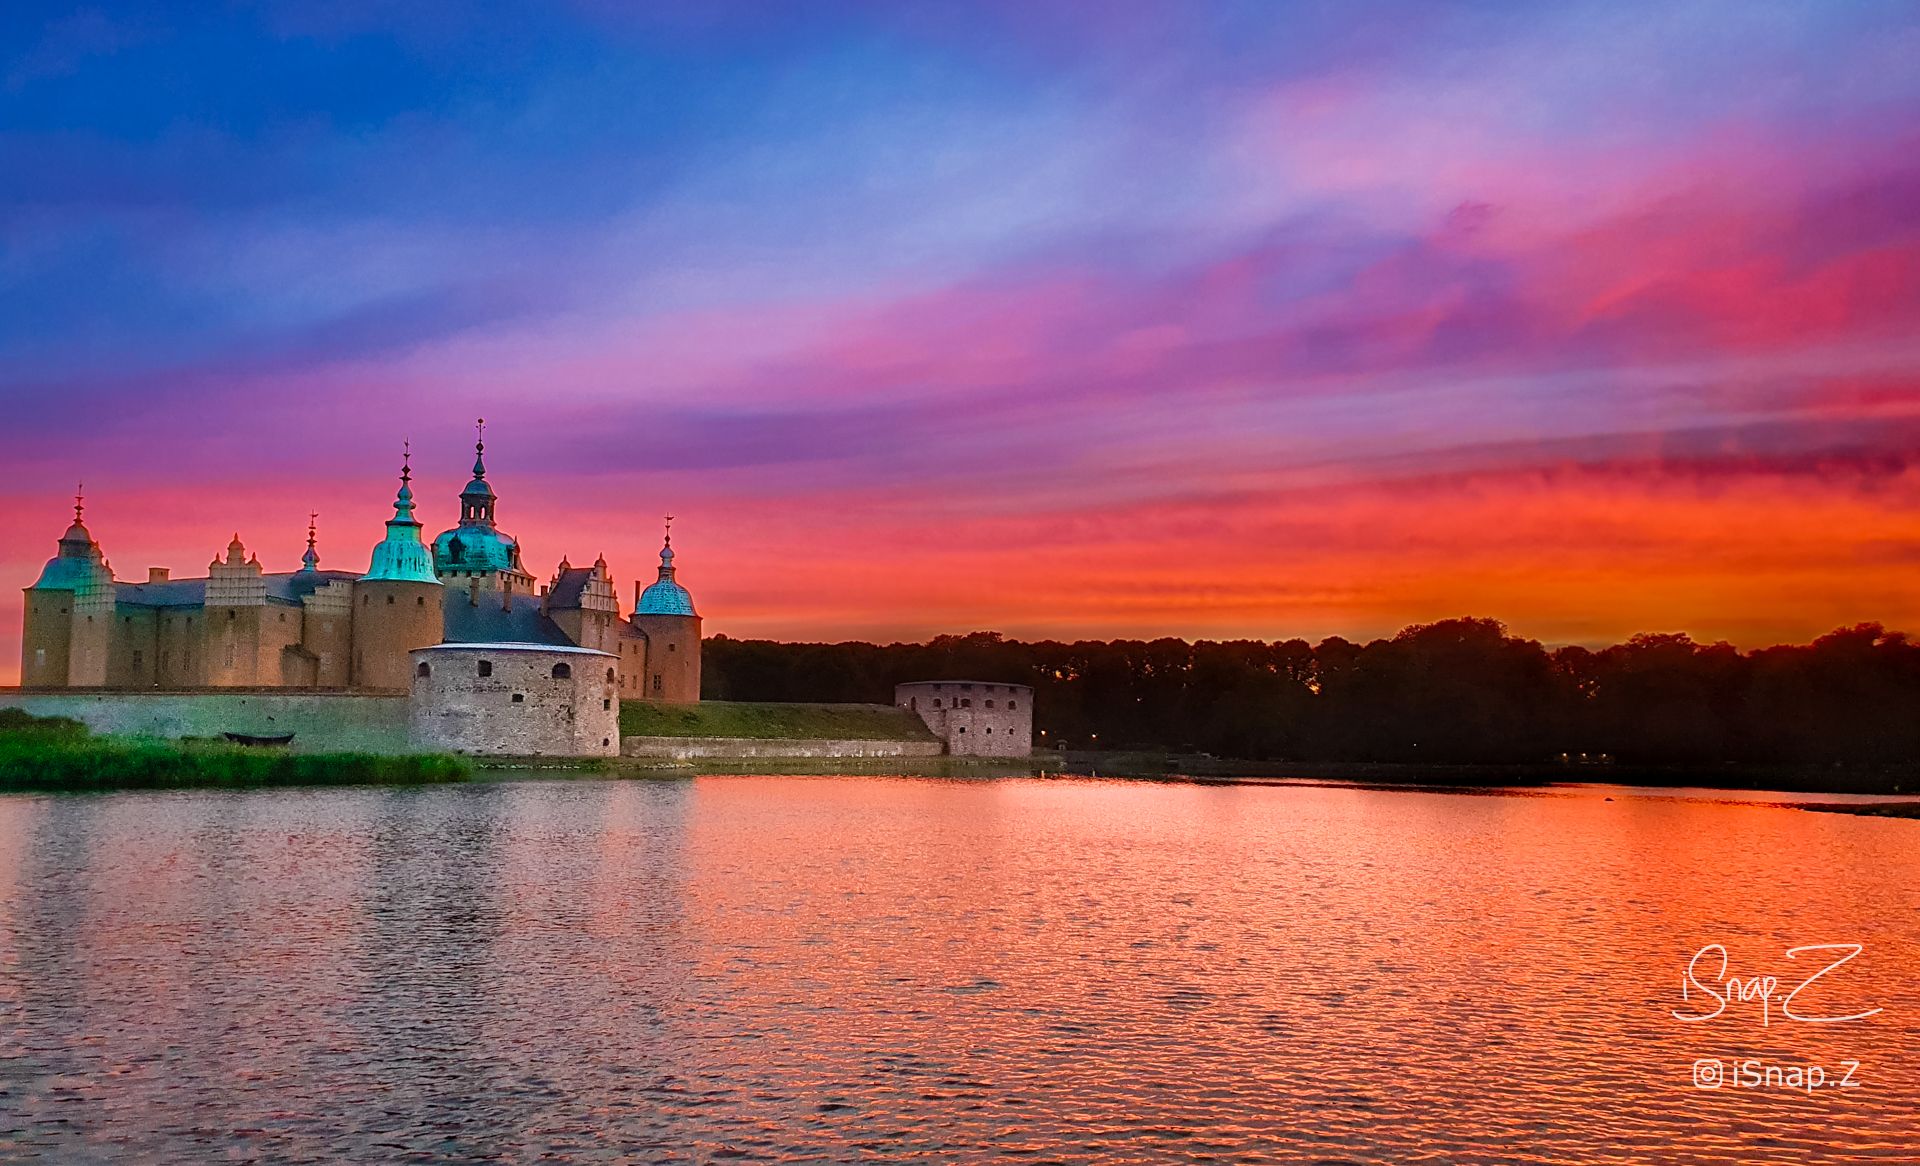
{"x":69,"y":613}
{"x":477,"y":549}
{"x":397,"y":603}
{"x":236,"y":609}
{"x":664,"y":615}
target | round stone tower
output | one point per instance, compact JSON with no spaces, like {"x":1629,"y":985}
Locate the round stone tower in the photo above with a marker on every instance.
{"x":72,"y":597}
{"x":664,"y":615}
{"x":518,"y":700}
{"x":397,"y":603}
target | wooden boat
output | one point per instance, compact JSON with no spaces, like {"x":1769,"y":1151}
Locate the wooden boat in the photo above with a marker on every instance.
{"x":250,"y":739}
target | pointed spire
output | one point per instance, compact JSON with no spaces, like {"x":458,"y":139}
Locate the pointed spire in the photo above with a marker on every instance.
{"x":401,"y":556}
{"x":476,"y":501}
{"x":665,"y":596}
{"x":76,"y":540}
{"x":403,"y":500}
{"x":311,"y":560}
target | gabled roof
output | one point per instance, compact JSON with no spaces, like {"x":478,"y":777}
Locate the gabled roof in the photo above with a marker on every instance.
{"x":568,"y":586}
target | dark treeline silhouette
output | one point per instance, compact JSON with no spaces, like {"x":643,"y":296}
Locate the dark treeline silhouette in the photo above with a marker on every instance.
{"x":1461,"y":691}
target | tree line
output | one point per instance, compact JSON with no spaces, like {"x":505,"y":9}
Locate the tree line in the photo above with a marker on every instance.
{"x":1461,"y":691}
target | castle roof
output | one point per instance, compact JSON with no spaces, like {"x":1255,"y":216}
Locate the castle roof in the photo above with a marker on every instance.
{"x":73,"y":567}
{"x":476,"y":546}
{"x":508,"y":646}
{"x":568,"y":586}
{"x":520,"y":620}
{"x":66,"y":572}
{"x":401,"y":557}
{"x":286,"y":587}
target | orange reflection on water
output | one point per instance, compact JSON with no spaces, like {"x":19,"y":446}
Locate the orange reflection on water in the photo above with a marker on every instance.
{"x":1095,"y":971}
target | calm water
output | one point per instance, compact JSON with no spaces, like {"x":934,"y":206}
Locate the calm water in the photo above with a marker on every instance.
{"x":828,"y":969}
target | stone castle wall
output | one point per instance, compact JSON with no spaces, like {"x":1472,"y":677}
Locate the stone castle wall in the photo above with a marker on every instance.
{"x":507,"y":700}
{"x":973,"y":718}
{"x":321,"y":722}
{"x":749,"y":748}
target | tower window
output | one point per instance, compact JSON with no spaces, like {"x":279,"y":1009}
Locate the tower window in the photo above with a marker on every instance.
{"x":606,"y":704}
{"x":610,"y":676}
{"x":423,"y":671}
{"x":389,"y":601}
{"x":989,"y":704}
{"x":563,"y":672}
{"x":519,"y":698}
{"x":486,"y":668}
{"x":419,"y":601}
{"x":936,"y":702}
{"x":673,"y":647}
{"x":966,"y":702}
{"x":1011,"y":706}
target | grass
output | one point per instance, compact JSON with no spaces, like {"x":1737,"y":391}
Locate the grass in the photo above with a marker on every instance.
{"x":713,"y":718}
{"x":56,"y":755}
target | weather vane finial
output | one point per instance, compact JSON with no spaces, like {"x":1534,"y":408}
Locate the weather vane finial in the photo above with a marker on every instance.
{"x":669,"y":529}
{"x":79,"y":500}
{"x":406,"y":461}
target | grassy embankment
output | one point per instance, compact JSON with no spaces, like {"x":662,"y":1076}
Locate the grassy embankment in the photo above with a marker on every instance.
{"x":854,"y":722}
{"x":58,"y":755}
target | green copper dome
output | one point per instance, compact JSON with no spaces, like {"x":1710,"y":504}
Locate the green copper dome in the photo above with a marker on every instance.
{"x":665,"y":597}
{"x":400,"y":556}
{"x":476,"y":545}
{"x":74,"y":567}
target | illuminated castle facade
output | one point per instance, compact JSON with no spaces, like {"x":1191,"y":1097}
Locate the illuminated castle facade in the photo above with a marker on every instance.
{"x":243,"y":626}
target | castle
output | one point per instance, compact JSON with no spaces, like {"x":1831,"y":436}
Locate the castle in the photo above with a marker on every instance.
{"x":245,"y":627}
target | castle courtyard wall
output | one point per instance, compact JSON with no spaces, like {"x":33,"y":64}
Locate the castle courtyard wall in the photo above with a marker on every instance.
{"x":321,"y":722}
{"x":749,"y":748}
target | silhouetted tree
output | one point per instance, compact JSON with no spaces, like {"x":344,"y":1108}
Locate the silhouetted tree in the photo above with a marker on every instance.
{"x":1457,"y":691}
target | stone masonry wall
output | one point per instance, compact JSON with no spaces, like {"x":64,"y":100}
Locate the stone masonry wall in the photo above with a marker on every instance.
{"x":519,"y":707}
{"x":748,"y":748}
{"x":975,"y":719}
{"x":321,"y":722}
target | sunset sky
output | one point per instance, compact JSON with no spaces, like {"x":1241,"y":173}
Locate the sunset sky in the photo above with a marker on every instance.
{"x":1058,"y":319}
